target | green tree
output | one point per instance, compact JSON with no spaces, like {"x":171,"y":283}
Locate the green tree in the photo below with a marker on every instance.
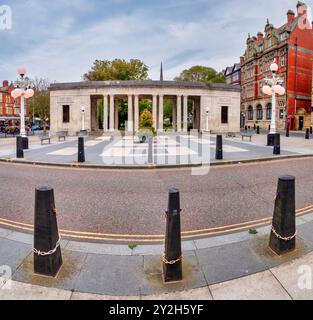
{"x":118,"y":69}
{"x":39,"y":104}
{"x":201,"y":74}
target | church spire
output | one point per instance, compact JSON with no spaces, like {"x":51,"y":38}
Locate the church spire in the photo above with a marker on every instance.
{"x":161,"y":72}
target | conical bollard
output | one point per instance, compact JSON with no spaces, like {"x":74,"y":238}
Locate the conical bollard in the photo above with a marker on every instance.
{"x":307,"y":134}
{"x":283,"y":235}
{"x":19,"y":148}
{"x":81,"y":149}
{"x":47,"y":251}
{"x":311,"y":130}
{"x":172,"y":259}
{"x":258,"y":130}
{"x":219,"y":148}
{"x":287,"y":132}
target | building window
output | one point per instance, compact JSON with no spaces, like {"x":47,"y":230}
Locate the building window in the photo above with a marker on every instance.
{"x":66,"y":114}
{"x":281,"y":114}
{"x":250,"y":113}
{"x":224,"y":115}
{"x":269,"y":112}
{"x":259,"y":113}
{"x":283,"y":60}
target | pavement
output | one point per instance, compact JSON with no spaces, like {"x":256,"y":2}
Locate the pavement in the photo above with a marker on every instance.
{"x":237,"y":266}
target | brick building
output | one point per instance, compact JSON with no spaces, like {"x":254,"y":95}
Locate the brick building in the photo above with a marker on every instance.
{"x":9,"y":107}
{"x":291,"y":45}
{"x":233,"y":74}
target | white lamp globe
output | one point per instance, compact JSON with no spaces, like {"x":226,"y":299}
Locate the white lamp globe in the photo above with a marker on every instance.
{"x":29,"y":93}
{"x":274,"y":67}
{"x":16,"y":93}
{"x":277,"y":88}
{"x":282,"y":91}
{"x":267,"y":90}
{"x":22,"y":71}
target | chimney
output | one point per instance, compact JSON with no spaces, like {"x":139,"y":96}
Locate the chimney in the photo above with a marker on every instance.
{"x":260,"y":36}
{"x":290,"y":16}
{"x":301,"y":8}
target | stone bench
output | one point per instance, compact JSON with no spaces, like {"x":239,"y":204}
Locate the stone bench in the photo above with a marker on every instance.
{"x":45,"y":138}
{"x":248,"y":134}
{"x":62,"y":135}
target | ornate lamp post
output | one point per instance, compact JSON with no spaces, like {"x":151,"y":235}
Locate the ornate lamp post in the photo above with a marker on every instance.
{"x":23,"y":90}
{"x":83,"y":118}
{"x":207,"y":113}
{"x":272,"y":87}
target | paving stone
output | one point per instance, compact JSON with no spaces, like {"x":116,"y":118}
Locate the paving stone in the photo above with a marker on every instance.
{"x":194,"y":294}
{"x":307,"y":217}
{"x":305,"y":231}
{"x":72,"y":264}
{"x":21,"y":237}
{"x":227,"y":262}
{"x":111,"y":275}
{"x":21,"y":291}
{"x":148,"y":250}
{"x":90,"y":296}
{"x":5,"y":232}
{"x":152,"y":282}
{"x":289,"y":275}
{"x":13,"y":253}
{"x":98,"y":248}
{"x":261,"y":286}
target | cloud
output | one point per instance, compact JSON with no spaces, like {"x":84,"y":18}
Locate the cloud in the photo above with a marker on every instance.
{"x":61,"y":39}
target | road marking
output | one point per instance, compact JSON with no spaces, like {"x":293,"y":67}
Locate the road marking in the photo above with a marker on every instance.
{"x":64,"y":152}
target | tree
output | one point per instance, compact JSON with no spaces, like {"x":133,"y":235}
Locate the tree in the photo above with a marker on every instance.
{"x":118,"y":69}
{"x":39,"y":104}
{"x":201,"y":74}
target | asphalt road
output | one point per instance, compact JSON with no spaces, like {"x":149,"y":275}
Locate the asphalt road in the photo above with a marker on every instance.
{"x":133,"y":202}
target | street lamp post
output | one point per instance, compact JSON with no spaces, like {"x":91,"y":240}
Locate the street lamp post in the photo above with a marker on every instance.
{"x":23,"y":90}
{"x":83,"y":118}
{"x":207,"y":113}
{"x":272,"y":87}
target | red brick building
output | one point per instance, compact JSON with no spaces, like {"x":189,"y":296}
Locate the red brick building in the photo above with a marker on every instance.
{"x":291,"y":45}
{"x":9,"y":107}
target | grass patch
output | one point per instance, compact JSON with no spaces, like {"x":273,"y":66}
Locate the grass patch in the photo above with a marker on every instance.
{"x":132,"y":246}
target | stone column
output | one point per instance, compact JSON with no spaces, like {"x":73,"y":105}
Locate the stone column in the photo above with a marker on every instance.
{"x":155,"y":112}
{"x":136,"y":123}
{"x":161,"y":113}
{"x":130,"y":123}
{"x":185,"y":113}
{"x":178,"y":113}
{"x":112,"y":113}
{"x":174,"y":115}
{"x":105,"y":113}
{"x":116,"y":119}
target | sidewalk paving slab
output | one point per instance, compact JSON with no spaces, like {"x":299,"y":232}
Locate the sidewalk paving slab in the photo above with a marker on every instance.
{"x":260,"y":286}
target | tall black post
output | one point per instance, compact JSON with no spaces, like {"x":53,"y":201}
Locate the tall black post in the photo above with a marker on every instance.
{"x":47,"y":251}
{"x":219,"y":148}
{"x":311,"y":130}
{"x":287,"y":132}
{"x":25,"y":143}
{"x":307,"y":134}
{"x":19,"y":148}
{"x":246,"y":128}
{"x":172,"y":259}
{"x":254,"y":127}
{"x":283,"y":235}
{"x":81,"y":149}
{"x":277,"y":144}
{"x":258,"y":130}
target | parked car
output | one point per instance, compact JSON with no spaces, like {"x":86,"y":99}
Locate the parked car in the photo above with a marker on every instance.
{"x":36,"y":127}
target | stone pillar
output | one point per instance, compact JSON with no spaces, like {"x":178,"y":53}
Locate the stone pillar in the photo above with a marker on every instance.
{"x":112,"y":112}
{"x":116,"y":119}
{"x":136,"y":123}
{"x":130,"y":123}
{"x":155,"y":112}
{"x":185,"y":113}
{"x":174,"y":115}
{"x":161,"y":113}
{"x":179,"y":114}
{"x":105,"y":113}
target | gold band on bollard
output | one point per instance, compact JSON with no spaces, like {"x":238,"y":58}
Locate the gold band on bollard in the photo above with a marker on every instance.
{"x":284,"y":238}
{"x":173,"y":261}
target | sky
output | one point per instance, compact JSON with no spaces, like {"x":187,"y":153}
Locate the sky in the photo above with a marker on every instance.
{"x":59,"y":40}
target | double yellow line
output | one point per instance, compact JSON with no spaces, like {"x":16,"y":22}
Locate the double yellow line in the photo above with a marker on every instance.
{"x":127,"y":238}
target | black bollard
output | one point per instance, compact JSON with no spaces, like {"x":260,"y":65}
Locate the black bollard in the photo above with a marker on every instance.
{"x":19,"y":148}
{"x":283,"y":235}
{"x":254,"y":127}
{"x":172,"y":259}
{"x":81,"y":149}
{"x":287,"y":132}
{"x":219,"y":148}
{"x":47,"y":251}
{"x":311,"y":130}
{"x":269,"y":128}
{"x":258,"y":130}
{"x":246,"y":128}
{"x":307,"y":134}
{"x":25,"y":143}
{"x":277,"y":144}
